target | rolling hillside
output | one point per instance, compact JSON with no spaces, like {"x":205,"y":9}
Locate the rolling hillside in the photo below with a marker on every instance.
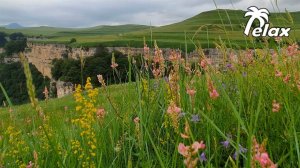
{"x":204,"y":28}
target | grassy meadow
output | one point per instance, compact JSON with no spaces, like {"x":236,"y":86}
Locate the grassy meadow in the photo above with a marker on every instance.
{"x":177,"y":113}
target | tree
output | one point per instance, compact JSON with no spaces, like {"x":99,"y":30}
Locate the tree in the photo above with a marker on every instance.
{"x":17,"y":36}
{"x":262,"y":15}
{"x":3,"y":40}
{"x":73,"y":40}
{"x":17,"y":44}
{"x":15,"y":47}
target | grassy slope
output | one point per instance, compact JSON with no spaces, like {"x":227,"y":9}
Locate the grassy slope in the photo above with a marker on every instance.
{"x":204,"y":28}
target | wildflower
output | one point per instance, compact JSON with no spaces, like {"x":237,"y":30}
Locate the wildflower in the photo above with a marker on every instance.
{"x":100,"y":113}
{"x":173,"y":109}
{"x":30,"y":165}
{"x":113,"y":62}
{"x":205,"y":62}
{"x":136,"y":120}
{"x":286,"y":79}
{"x":174,"y":56}
{"x":274,"y":59}
{"x":183,"y":150}
{"x":184,"y":136}
{"x":278,"y":73}
{"x":260,"y":155}
{"x":275,"y":106}
{"x":226,"y":143}
{"x":191,"y":92}
{"x":101,"y":80}
{"x":240,"y":151}
{"x":189,"y":153}
{"x":292,"y":50}
{"x":195,"y":118}
{"x":202,"y":157}
{"x":146,"y":52}
{"x":278,"y":39}
{"x":66,"y":108}
{"x":196,"y":146}
{"x":214,"y":94}
{"x":229,"y":66}
{"x":114,"y":65}
{"x":156,"y":73}
{"x":46,"y":93}
{"x":186,"y":133}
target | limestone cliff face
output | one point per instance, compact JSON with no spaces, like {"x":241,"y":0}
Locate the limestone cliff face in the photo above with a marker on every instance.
{"x":42,"y":55}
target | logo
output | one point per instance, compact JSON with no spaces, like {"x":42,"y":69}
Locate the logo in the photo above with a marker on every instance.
{"x":263,"y":30}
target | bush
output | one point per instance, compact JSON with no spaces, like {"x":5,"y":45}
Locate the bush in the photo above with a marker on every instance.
{"x":73,"y":40}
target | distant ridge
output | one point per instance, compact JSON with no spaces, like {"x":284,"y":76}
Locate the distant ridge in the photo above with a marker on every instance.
{"x":13,"y":26}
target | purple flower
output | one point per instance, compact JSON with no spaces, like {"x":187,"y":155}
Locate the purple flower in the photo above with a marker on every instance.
{"x":202,"y":157}
{"x":229,"y":66}
{"x":242,"y":149}
{"x":225,"y":143}
{"x":234,"y":156}
{"x":195,"y":118}
{"x":244,"y":74}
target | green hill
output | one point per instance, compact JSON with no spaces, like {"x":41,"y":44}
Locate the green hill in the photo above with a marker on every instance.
{"x":204,"y":28}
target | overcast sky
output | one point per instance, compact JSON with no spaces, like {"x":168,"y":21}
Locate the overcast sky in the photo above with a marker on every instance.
{"x":86,"y":13}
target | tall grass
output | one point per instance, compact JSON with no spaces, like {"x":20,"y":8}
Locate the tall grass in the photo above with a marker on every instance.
{"x":243,"y":112}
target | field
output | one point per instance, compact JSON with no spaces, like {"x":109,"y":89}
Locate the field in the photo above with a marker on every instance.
{"x":171,"y":112}
{"x":244,"y":113}
{"x":205,"y":29}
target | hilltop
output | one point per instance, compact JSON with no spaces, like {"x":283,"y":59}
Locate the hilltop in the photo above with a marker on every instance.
{"x":204,"y":28}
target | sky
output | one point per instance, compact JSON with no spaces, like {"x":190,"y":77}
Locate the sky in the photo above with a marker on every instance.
{"x":88,"y":13}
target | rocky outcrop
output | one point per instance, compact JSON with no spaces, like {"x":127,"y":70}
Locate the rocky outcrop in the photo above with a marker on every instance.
{"x":42,"y":55}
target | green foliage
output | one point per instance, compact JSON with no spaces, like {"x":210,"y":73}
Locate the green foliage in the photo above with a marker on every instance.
{"x":13,"y":80}
{"x":17,"y":43}
{"x":15,"y":46}
{"x":2,"y":39}
{"x":73,"y":40}
{"x":17,"y":36}
{"x":68,"y":70}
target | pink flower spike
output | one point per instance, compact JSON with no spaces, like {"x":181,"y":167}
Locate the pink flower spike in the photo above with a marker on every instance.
{"x":287,"y":78}
{"x":183,"y":150}
{"x":30,"y":165}
{"x":191,"y":92}
{"x":114,"y":65}
{"x":214,"y":94}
